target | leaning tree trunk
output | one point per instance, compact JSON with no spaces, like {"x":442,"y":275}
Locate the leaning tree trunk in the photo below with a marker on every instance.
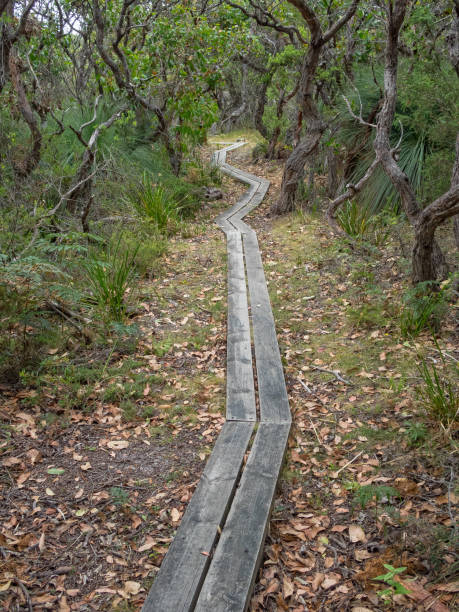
{"x":427,"y":257}
{"x":294,"y":167}
{"x":315,"y":126}
{"x":260,"y":110}
{"x":33,"y":156}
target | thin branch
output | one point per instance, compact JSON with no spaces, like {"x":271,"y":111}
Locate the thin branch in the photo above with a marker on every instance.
{"x":349,"y":193}
{"x":358,"y":117}
{"x":335,"y":373}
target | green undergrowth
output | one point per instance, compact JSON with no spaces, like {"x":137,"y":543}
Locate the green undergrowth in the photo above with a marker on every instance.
{"x":344,"y":310}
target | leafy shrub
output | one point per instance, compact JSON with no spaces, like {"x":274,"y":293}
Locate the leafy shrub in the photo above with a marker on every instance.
{"x":440,"y":392}
{"x":148,"y":246}
{"x":359,"y":221}
{"x":416,"y":433}
{"x":368,"y":316}
{"x":202,"y":174}
{"x":109,"y":279}
{"x":424,"y":307}
{"x":25,"y":284}
{"x":155,"y":203}
{"x":259,"y":151}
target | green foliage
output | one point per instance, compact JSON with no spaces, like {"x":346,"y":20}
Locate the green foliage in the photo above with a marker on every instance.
{"x":359,"y":221}
{"x":155,"y":203}
{"x":259,"y":151}
{"x":119,"y":496}
{"x":109,"y":280}
{"x":368,"y":315}
{"x":416,"y":433}
{"x":424,"y":307}
{"x":148,"y":246}
{"x":395,"y":588}
{"x":368,"y":493}
{"x":440,"y":391}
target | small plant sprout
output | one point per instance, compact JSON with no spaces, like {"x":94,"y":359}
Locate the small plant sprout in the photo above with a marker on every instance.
{"x":394,"y":586}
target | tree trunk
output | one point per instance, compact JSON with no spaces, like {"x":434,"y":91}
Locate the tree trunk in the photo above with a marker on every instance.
{"x":33,"y":156}
{"x":333,"y":181}
{"x":294,"y":169}
{"x":315,"y":126}
{"x":428,"y":260}
{"x":259,"y":123}
{"x":456,"y":231}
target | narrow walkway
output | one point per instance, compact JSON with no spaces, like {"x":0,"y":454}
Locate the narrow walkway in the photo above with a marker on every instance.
{"x":212,"y":562}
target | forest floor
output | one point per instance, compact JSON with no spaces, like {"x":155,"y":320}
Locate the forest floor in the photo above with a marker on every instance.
{"x":100,"y":459}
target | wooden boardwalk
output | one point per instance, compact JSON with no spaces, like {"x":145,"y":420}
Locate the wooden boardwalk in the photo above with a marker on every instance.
{"x":212,"y":562}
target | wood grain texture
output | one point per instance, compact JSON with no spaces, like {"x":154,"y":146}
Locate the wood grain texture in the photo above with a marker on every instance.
{"x":222,"y":582}
{"x":177,"y":585}
{"x":240,"y":391}
{"x":230,"y":578}
{"x":272,"y":392}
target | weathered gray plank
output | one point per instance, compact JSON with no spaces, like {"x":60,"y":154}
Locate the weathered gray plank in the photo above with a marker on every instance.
{"x":230,"y":578}
{"x":240,"y":392}
{"x":272,"y":392}
{"x":177,"y":585}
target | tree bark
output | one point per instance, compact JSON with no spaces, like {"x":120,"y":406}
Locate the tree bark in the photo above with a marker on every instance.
{"x":315,"y":125}
{"x":426,"y":248}
{"x":33,"y":156}
{"x":456,"y":231}
{"x":427,"y":259}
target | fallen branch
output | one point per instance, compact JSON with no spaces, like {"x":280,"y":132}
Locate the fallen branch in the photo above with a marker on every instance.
{"x":336,"y":474}
{"x":69,"y":316}
{"x":335,"y":373}
{"x":311,"y":392}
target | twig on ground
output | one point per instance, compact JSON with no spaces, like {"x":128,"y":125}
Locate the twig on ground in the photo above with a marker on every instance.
{"x":447,"y":355}
{"x":336,"y":474}
{"x":450,"y":487}
{"x":25,"y":592}
{"x":311,"y":392}
{"x":334,"y":372}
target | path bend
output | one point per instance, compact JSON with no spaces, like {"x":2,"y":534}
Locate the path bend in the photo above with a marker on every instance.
{"x":212,"y":562}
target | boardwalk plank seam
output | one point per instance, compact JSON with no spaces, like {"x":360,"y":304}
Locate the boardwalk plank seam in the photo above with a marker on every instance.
{"x":222,"y":582}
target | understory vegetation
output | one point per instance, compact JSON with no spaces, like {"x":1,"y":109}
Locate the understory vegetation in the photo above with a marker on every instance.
{"x":113,"y":293}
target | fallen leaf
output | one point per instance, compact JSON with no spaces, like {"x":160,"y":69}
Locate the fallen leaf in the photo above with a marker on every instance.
{"x":175,"y":515}
{"x":356,"y":534}
{"x":22,"y":478}
{"x":10,"y":461}
{"x":450,"y":587}
{"x":287,"y":587}
{"x":147,"y":545}
{"x":317,"y":581}
{"x":132,"y":587}
{"x":55,"y":471}
{"x":117,"y":444}
{"x":86,"y":466}
{"x":330,"y":580}
{"x":63,"y":605}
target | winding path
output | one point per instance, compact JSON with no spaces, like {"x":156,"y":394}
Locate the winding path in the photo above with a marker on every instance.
{"x":213,"y":559}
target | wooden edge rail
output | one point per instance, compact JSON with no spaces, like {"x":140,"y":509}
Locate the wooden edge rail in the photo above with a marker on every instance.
{"x":203,"y":570}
